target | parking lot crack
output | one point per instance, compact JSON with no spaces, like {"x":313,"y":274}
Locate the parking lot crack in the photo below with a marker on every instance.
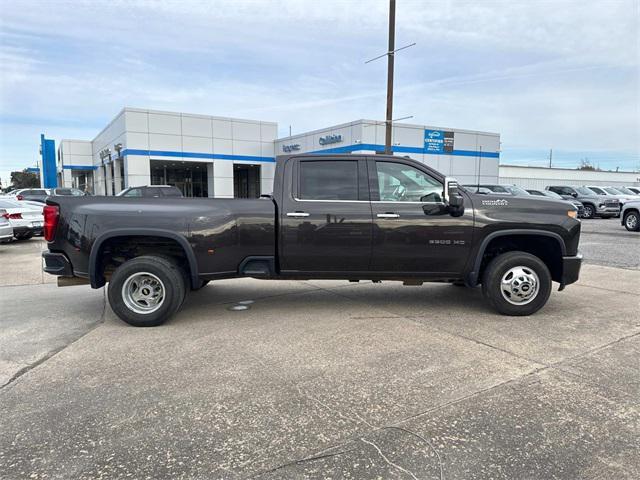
{"x":384,"y":457}
{"x":433,"y":449}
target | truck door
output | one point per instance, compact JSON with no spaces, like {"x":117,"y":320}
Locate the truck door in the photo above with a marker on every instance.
{"x":325,"y":217}
{"x":413,"y":230}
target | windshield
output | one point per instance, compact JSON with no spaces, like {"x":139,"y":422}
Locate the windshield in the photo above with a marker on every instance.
{"x":625,"y":190}
{"x":516,"y":190}
{"x":612,"y":191}
{"x":597,"y":190}
{"x":584,"y":191}
{"x":552,"y":194}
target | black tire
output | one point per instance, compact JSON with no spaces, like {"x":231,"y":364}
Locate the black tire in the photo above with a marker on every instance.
{"x":631,"y":221}
{"x":589,"y":211}
{"x":171,"y":284}
{"x":501,"y":266}
{"x":24,"y":236}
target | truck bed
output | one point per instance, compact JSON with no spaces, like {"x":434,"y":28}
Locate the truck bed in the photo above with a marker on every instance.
{"x":218,"y":233}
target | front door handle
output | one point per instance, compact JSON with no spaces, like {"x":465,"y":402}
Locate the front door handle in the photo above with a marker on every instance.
{"x":297,"y":214}
{"x":388,"y":215}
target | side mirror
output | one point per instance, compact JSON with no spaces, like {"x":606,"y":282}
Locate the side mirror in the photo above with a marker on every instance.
{"x":453,"y":198}
{"x":574,"y":194}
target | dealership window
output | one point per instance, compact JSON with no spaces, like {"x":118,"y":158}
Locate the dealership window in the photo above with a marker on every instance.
{"x":328,"y":180}
{"x":189,"y":177}
{"x":121,"y":165}
{"x":246,"y":181}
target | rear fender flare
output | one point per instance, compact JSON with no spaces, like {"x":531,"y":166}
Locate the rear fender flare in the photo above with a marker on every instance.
{"x":140,"y":232}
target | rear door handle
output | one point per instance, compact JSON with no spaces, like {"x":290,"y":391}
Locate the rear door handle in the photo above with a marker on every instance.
{"x":297,"y":214}
{"x":388,"y":215}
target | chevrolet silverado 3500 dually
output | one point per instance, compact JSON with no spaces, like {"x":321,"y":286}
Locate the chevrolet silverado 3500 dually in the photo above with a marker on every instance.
{"x":351,"y":217}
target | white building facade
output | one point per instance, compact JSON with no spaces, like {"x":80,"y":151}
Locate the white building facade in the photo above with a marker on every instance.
{"x":221,"y":157}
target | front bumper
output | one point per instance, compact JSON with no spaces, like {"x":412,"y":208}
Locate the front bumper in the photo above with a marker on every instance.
{"x":57,"y":264}
{"x":570,"y":270}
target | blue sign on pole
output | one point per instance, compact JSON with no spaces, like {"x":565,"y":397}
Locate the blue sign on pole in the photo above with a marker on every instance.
{"x":433,"y":141}
{"x":49,"y":175}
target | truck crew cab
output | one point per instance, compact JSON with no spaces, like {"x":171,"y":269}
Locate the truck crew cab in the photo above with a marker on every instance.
{"x":351,"y":217}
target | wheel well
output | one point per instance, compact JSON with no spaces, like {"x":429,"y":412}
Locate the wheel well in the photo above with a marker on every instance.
{"x":629,"y":210}
{"x":115,"y":251}
{"x":545,"y":248}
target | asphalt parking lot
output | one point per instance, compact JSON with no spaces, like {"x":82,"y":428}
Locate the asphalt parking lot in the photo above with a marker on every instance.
{"x":325,"y":379}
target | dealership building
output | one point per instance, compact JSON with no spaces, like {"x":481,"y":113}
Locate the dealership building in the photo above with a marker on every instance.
{"x":207,"y":156}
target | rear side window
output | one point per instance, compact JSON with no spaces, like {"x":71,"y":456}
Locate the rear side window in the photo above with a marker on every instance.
{"x":37,"y":192}
{"x":63,"y":191}
{"x":328,"y":180}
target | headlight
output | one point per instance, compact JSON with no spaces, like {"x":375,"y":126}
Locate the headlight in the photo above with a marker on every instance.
{"x":572,"y":214}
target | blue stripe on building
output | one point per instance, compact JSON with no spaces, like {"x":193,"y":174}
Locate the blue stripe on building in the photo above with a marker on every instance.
{"x":402,"y":149}
{"x":80,"y":167}
{"x":208,"y":156}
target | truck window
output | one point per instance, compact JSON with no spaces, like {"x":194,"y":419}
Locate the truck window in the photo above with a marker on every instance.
{"x":134,"y":192}
{"x":398,"y":182}
{"x":328,"y":180}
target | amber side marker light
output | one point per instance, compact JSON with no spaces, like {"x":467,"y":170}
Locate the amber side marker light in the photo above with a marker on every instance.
{"x":572,"y":214}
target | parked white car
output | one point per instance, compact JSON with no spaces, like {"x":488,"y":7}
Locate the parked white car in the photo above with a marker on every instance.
{"x":6,"y":230}
{"x":26,"y":220}
{"x":630,"y":215}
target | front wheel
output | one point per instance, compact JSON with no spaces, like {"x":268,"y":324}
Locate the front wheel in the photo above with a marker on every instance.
{"x":632,"y":221}
{"x":589,"y":211}
{"x":146,"y":291}
{"x":516,"y":283}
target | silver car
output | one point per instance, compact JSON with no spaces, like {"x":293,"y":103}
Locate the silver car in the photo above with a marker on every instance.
{"x":6,"y":230}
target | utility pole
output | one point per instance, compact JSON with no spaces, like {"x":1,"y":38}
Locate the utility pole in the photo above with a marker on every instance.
{"x":550,"y":156}
{"x":390,"y":58}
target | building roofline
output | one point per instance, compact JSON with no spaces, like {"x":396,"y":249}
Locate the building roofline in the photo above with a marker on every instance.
{"x":382,"y":123}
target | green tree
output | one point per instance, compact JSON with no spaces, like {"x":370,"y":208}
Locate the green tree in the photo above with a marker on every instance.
{"x":24,"y":179}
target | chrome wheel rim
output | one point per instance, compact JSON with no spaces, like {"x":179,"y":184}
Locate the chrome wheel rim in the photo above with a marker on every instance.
{"x":143,"y":293}
{"x":588,"y":211}
{"x":520,"y":285}
{"x":632,"y":221}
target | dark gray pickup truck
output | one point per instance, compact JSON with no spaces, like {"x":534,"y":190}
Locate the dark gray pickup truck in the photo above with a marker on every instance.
{"x":351,"y":217}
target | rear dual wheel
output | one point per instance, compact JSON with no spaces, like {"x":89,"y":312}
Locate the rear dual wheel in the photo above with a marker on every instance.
{"x":146,"y":291}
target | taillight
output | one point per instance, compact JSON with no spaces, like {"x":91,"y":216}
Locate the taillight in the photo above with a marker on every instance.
{"x":15,"y":216}
{"x":20,"y":197}
{"x":51,"y":215}
{"x":6,"y":215}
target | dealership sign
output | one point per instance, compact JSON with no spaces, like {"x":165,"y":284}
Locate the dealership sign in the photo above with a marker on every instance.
{"x":326,"y":140}
{"x":438,"y":141}
{"x":291,"y":148}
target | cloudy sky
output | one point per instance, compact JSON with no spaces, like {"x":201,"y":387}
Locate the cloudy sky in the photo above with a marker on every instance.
{"x":545,"y":74}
